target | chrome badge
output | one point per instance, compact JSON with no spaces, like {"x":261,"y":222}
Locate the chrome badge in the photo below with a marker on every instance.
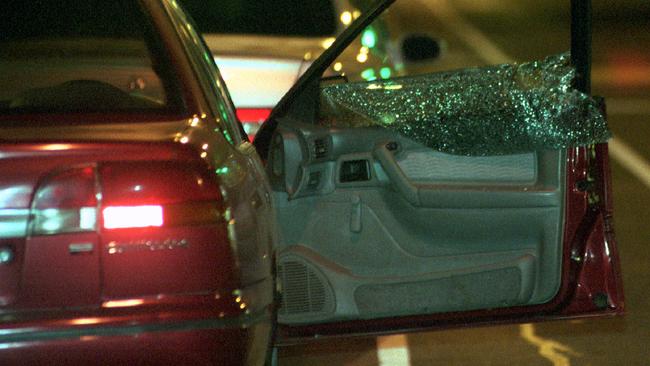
{"x":115,"y":247}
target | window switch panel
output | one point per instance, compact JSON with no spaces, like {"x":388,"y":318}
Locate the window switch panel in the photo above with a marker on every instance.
{"x":354,"y":171}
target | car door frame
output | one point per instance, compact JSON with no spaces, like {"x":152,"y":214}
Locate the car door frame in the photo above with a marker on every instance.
{"x":591,"y":282}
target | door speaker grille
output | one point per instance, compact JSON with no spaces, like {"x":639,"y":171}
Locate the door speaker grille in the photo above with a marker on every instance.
{"x":304,"y":290}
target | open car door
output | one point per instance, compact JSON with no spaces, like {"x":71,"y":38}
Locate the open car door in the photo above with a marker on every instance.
{"x":454,"y":198}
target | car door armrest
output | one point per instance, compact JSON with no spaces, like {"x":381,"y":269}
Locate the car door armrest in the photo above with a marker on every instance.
{"x":397,"y":177}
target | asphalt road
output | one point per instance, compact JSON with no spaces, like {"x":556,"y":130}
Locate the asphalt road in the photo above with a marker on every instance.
{"x":621,"y":74}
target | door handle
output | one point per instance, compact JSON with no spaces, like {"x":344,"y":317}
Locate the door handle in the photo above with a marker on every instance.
{"x":78,"y":248}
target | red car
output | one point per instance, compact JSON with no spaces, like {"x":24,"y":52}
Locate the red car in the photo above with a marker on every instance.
{"x":139,"y":226}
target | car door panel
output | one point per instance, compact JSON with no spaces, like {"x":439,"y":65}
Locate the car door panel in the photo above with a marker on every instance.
{"x":362,"y":248}
{"x":450,"y":198}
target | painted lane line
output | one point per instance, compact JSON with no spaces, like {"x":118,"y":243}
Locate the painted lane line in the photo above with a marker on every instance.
{"x":628,"y":106}
{"x":393,"y":350}
{"x":487,"y":50}
{"x":473,"y":38}
{"x":631,"y":160}
{"x":551,"y":350}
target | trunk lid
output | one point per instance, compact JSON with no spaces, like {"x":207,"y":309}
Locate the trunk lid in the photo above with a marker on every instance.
{"x":58,"y":248}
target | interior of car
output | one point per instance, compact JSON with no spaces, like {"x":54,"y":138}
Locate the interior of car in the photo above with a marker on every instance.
{"x":421,"y":194}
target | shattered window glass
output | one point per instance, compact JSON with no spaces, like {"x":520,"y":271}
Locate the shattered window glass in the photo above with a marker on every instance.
{"x":497,"y":110}
{"x":449,"y":97}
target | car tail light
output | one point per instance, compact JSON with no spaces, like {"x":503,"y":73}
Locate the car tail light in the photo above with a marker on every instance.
{"x":163,"y":219}
{"x":252,"y":119}
{"x":158,"y":194}
{"x":65,"y":202}
{"x":122,"y":217}
{"x":133,"y":195}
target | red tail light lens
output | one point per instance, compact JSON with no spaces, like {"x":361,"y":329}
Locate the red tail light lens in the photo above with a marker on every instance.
{"x":135,"y":195}
{"x":258,"y":115}
{"x":155,"y":194}
{"x":122,"y":217}
{"x":252,"y":119}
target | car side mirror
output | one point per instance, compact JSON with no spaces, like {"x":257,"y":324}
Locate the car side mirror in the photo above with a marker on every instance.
{"x":421,"y":48}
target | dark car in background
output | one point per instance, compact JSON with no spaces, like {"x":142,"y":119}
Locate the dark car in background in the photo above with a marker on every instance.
{"x":139,"y":226}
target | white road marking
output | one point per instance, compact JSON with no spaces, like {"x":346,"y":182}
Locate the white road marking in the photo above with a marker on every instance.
{"x":473,"y":38}
{"x":631,"y":160}
{"x":628,"y":106}
{"x":487,"y":50}
{"x":393,"y":350}
{"x":553,"y":351}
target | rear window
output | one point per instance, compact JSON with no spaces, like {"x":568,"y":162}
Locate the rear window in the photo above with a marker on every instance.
{"x":82,"y":56}
{"x":277,"y":17}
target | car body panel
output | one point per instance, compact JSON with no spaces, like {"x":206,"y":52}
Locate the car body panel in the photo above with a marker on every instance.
{"x":123,"y":302}
{"x":184,"y":290}
{"x":183,"y":330}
